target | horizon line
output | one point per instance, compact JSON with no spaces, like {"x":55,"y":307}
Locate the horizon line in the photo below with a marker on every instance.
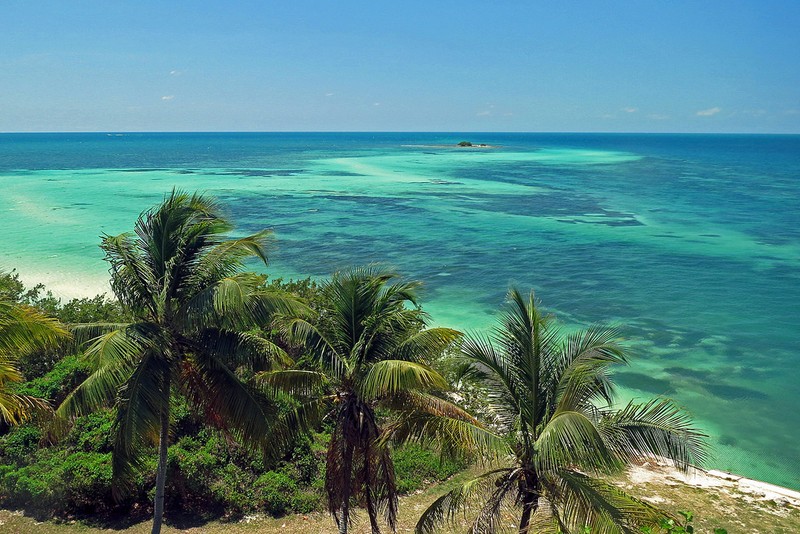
{"x":19,"y":132}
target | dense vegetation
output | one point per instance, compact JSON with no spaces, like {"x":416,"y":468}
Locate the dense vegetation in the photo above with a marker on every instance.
{"x":209,"y":474}
{"x":207,"y":389}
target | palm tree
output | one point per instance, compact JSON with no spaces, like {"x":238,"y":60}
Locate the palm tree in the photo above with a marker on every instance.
{"x":178,"y":278}
{"x":22,"y":329}
{"x":370,"y":350}
{"x":550,"y":396}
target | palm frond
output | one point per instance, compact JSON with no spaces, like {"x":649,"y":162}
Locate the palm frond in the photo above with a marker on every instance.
{"x":446,"y":508}
{"x":581,"y":370}
{"x":23,"y":329}
{"x":655,"y":429}
{"x":226,"y":258}
{"x":300,"y":331}
{"x":582,"y":501}
{"x":238,"y":349}
{"x":452,"y":436}
{"x":296,"y":382}
{"x":132,"y":276}
{"x":388,"y":377}
{"x":571,"y":438}
{"x":424,"y":402}
{"x":83,"y":333}
{"x":16,"y":408}
{"x":142,"y":400}
{"x":492,"y":366}
{"x":489,"y":514}
{"x":224,"y":398}
{"x":426,"y":345}
{"x":114,"y":357}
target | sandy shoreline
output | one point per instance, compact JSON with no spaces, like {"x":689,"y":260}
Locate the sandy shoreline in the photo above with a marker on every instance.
{"x":64,"y":287}
{"x":664,"y":472}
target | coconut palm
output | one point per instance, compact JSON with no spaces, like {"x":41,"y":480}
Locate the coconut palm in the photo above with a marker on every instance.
{"x":370,"y":350}
{"x":551,"y":395}
{"x":178,"y":277}
{"x":22,"y":329}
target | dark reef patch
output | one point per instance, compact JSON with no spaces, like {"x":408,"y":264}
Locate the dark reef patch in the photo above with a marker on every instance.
{"x":728,"y":392}
{"x":644,"y":382}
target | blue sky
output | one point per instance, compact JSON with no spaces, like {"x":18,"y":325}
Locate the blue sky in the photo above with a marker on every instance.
{"x":437,"y":65}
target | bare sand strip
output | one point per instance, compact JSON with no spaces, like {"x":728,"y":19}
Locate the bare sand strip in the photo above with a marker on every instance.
{"x":664,"y":472}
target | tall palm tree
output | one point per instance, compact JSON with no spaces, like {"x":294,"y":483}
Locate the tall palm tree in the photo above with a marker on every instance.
{"x":551,"y":396}
{"x":370,"y":350}
{"x":22,"y":329}
{"x":178,"y":277}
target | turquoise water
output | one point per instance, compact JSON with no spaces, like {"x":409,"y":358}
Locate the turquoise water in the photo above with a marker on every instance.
{"x":692,"y":243}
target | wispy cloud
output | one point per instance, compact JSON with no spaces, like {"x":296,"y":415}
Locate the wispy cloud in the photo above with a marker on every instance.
{"x":175,"y":72}
{"x":329,"y":94}
{"x":486,"y":112}
{"x":658,"y":116}
{"x":376,"y":103}
{"x":708,"y":112}
{"x":630,"y":110}
{"x":167,"y":97}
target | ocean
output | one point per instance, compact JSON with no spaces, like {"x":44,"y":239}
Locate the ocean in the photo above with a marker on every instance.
{"x":689,"y":243}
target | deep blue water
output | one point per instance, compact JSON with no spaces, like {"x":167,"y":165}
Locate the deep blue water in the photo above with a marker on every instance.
{"x":690,"y":242}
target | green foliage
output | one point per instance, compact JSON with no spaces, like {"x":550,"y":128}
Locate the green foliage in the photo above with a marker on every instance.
{"x":79,"y":482}
{"x":208,"y":471}
{"x":37,"y":363}
{"x":93,"y":432}
{"x":671,"y":526}
{"x":18,"y":446}
{"x":11,"y":288}
{"x":274,"y":491}
{"x":416,"y":466}
{"x":304,"y":288}
{"x":65,"y":375}
{"x":465,"y":143}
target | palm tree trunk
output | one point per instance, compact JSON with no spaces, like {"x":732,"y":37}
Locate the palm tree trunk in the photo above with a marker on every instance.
{"x":161,"y":477}
{"x":347,"y":463}
{"x":528,"y":507}
{"x":371,"y":512}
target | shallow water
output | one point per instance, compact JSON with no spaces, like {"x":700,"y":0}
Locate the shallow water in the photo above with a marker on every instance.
{"x":692,"y":243}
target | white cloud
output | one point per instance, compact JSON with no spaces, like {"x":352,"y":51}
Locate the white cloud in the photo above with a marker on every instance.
{"x":630,"y":110}
{"x":376,"y":103}
{"x":329,"y":94}
{"x":174,"y":72}
{"x":658,"y":116}
{"x":708,"y":112}
{"x":483,"y":113}
{"x":167,"y":97}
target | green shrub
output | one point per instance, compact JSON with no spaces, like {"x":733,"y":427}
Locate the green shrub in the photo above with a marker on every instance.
{"x":93,"y":432}
{"x":37,"y":486}
{"x":86,"y":479}
{"x":61,"y":378}
{"x":275,"y":493}
{"x":19,"y":445}
{"x":416,"y":466}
